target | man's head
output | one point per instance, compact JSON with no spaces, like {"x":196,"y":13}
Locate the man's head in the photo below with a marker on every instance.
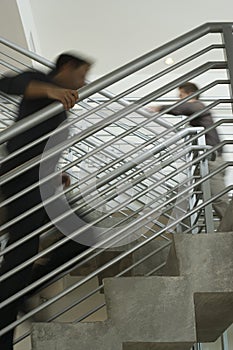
{"x":187,"y":89}
{"x":71,"y":71}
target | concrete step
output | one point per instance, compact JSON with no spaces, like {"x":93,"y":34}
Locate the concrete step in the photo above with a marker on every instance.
{"x":193,"y":302}
{"x":139,"y":311}
{"x":208,"y":261}
{"x":158,"y":244}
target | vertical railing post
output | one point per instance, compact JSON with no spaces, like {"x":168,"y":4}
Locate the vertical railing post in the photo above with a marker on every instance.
{"x":204,"y":171}
{"x":197,"y":346}
{"x":227,"y":36}
{"x":224,"y":341}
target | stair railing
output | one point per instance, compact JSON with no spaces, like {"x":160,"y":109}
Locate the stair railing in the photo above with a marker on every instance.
{"x":87,"y":137}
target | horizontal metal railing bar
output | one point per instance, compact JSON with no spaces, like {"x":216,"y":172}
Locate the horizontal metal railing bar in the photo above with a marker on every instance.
{"x":91,"y":312}
{"x":8,"y":247}
{"x":153,"y":117}
{"x":150,"y":57}
{"x":80,"y":230}
{"x":158,"y":75}
{"x":110,"y":78}
{"x":79,"y":207}
{"x":126,"y":127}
{"x":171,"y":99}
{"x":202,"y":51}
{"x":196,"y":226}
{"x":192,"y":116}
{"x":138,"y":63}
{"x":92,"y":130}
{"x":19,"y":126}
{"x":155,"y":269}
{"x":83,"y":205}
{"x":18,"y":61}
{"x":108,"y":94}
{"x":9,"y":66}
{"x":26,"y":52}
{"x":105,"y":266}
{"x":114,"y":174}
{"x":113,"y":226}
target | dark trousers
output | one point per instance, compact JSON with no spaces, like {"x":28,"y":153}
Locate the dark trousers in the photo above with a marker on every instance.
{"x":25,"y":251}
{"x":18,"y":255}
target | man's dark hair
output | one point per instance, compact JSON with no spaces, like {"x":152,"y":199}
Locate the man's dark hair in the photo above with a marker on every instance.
{"x":74,"y":60}
{"x":189,"y":88}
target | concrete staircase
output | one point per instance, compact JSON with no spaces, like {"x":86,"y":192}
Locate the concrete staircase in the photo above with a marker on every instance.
{"x":192,"y":302}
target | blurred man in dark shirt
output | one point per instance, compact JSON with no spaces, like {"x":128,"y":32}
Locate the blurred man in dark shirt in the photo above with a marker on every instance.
{"x":38,"y":91}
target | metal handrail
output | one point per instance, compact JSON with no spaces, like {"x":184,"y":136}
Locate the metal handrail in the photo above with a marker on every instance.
{"x":216,"y":124}
{"x":227,"y":120}
{"x":120,"y":114}
{"x":114,"y":174}
{"x":215,"y":27}
{"x":112,"y":77}
{"x":99,"y":270}
{"x":103,"y":181}
{"x":137,"y":149}
{"x":81,"y":230}
{"x":111,"y":195}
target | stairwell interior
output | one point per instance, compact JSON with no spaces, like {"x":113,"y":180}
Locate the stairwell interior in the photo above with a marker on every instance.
{"x":156,"y":277}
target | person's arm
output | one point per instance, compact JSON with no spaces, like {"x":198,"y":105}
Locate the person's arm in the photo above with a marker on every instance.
{"x":16,"y":84}
{"x":33,"y":85}
{"x":184,"y":109}
{"x":37,"y":89}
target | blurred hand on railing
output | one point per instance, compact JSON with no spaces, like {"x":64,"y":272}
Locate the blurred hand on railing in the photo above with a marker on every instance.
{"x":37,"y":89}
{"x":153,"y":109}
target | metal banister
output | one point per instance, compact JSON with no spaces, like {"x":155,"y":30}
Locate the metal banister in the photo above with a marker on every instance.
{"x":154,"y":181}
{"x":114,"y":174}
{"x":81,"y":230}
{"x":110,"y":78}
{"x":150,"y":141}
{"x":46,"y":226}
{"x":215,"y":148}
{"x":90,"y":276}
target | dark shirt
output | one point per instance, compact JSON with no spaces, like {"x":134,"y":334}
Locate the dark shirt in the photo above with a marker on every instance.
{"x":205,"y":120}
{"x":16,"y":85}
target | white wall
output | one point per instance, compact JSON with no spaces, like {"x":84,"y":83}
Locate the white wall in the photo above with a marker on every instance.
{"x":25,"y":11}
{"x":10,"y":22}
{"x":115,"y":32}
